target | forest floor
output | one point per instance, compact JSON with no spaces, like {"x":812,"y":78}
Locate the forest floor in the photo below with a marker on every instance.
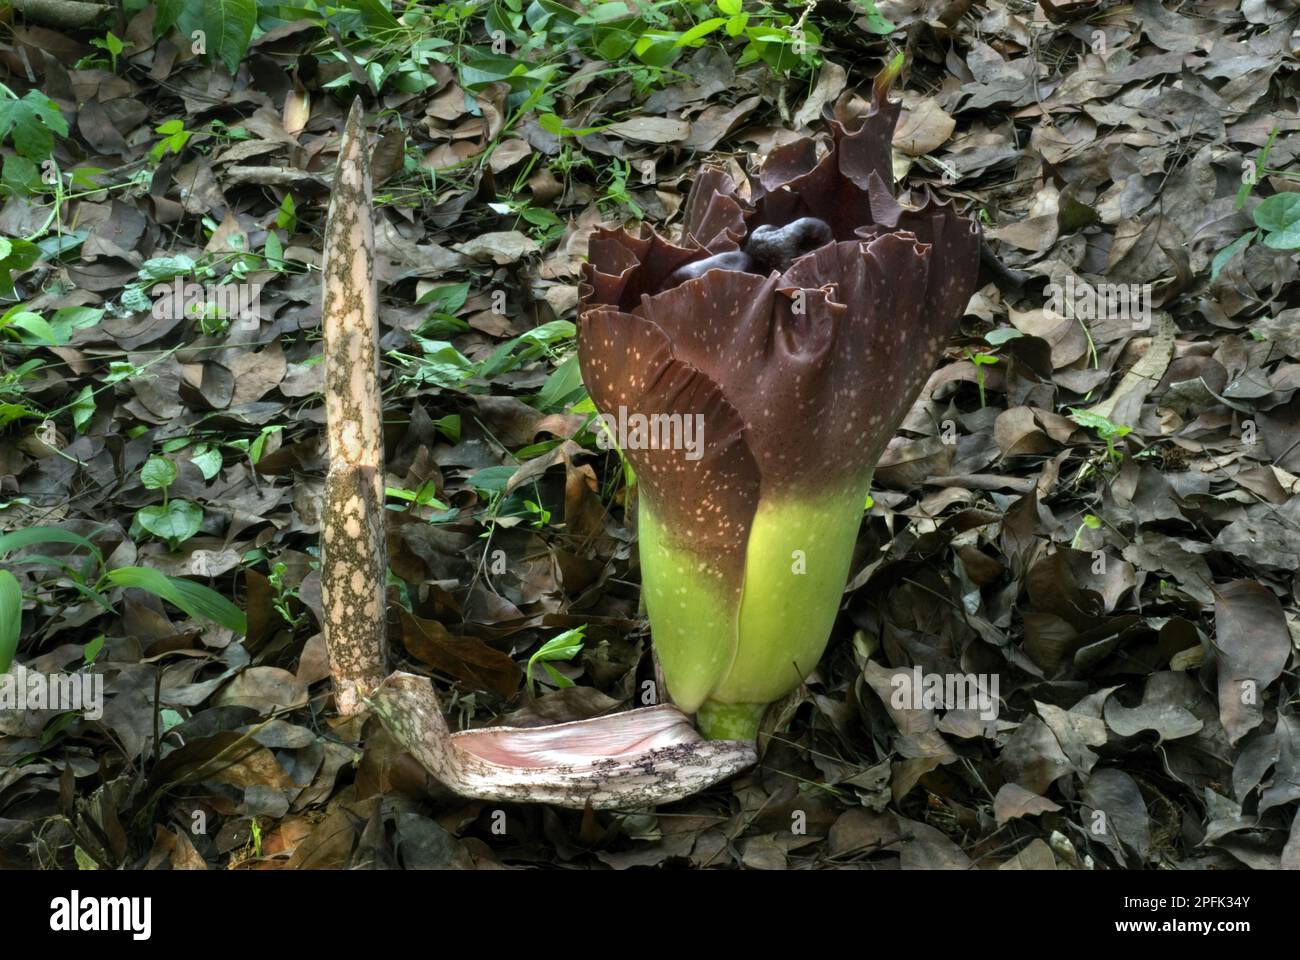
{"x":1094,"y":502}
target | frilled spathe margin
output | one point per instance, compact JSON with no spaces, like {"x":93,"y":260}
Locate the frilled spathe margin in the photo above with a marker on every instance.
{"x":843,"y":189}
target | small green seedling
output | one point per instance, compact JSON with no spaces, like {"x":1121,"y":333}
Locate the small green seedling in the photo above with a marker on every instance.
{"x":1277,"y":218}
{"x":565,"y":646}
{"x":173,"y":520}
{"x":283,"y":594}
{"x":1090,"y":522}
{"x":981,"y":360}
{"x":1104,"y":428}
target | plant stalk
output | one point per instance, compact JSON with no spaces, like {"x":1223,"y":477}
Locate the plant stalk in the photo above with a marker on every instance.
{"x":354,"y":564}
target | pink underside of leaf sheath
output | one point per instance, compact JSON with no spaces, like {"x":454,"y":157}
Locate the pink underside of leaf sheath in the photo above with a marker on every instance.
{"x":583,"y":743}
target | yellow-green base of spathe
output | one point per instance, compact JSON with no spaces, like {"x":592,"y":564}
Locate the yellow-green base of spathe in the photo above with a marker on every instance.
{"x":726,"y":661}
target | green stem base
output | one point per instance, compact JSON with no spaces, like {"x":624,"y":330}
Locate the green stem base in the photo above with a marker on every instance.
{"x":729,"y":721}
